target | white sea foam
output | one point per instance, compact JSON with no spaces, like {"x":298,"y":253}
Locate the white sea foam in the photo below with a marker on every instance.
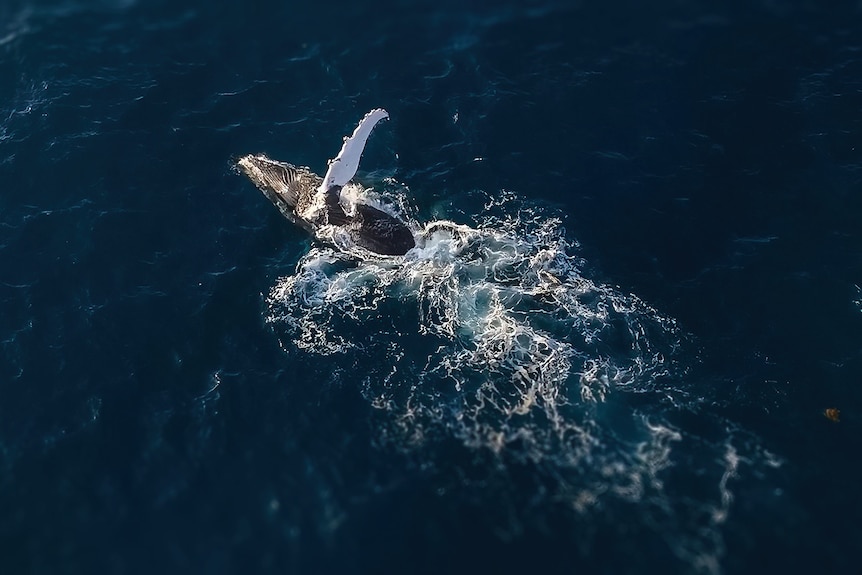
{"x":496,"y":335}
{"x":509,"y":325}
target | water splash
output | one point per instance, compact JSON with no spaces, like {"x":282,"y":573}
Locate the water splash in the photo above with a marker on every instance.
{"x":496,"y":336}
{"x":509,"y":329}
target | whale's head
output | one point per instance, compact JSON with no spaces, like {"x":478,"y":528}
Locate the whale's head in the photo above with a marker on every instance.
{"x":289,"y":187}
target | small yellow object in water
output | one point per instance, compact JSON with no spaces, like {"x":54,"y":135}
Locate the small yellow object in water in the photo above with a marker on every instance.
{"x":832,"y":414}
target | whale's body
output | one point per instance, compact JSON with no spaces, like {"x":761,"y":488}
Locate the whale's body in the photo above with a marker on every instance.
{"x":313,"y":202}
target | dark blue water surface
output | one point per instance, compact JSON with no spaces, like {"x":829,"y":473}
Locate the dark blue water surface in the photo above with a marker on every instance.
{"x":625,"y":370}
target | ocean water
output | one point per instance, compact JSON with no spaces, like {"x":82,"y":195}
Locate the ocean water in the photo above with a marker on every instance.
{"x":635,"y":296}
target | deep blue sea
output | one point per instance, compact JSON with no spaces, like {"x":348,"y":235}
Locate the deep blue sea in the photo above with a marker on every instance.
{"x":621,"y":354}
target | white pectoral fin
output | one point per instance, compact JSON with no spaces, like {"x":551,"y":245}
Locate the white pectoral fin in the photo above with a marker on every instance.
{"x":343,"y":167}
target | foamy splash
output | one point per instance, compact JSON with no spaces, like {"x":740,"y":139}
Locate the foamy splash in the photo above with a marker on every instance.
{"x":509,"y":326}
{"x":494,"y":335}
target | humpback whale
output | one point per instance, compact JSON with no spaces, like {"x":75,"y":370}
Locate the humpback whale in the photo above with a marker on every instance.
{"x":313,"y":202}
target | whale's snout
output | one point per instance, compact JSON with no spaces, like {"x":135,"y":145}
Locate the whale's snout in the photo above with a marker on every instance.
{"x":253,"y":168}
{"x":277,"y":180}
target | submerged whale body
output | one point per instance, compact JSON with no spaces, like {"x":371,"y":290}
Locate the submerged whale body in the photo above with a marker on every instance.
{"x":313,"y":202}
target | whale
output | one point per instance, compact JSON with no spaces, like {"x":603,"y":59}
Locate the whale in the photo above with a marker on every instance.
{"x":318,"y":203}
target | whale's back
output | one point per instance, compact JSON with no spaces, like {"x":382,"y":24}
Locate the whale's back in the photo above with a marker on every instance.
{"x":381,"y":233}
